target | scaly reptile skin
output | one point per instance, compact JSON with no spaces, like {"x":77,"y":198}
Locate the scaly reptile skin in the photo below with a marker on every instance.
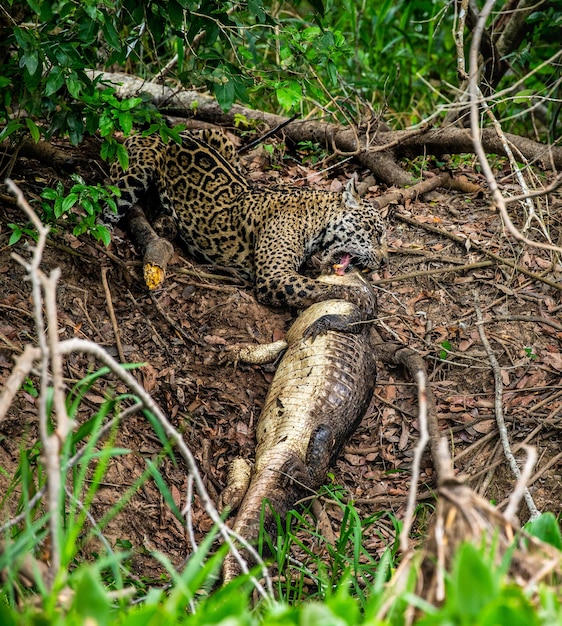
{"x":320,"y":391}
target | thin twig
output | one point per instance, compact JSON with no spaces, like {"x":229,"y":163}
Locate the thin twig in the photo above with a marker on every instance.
{"x":498,"y":402}
{"x":462,"y":241}
{"x":438,"y":270}
{"x":521,"y":486}
{"x":111,"y":312}
{"x":22,"y":369}
{"x":424,"y":438}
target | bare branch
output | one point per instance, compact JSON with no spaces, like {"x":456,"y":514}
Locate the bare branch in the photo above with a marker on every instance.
{"x":521,"y":486}
{"x":498,"y":403}
{"x":51,"y":443}
{"x":22,"y":369}
{"x":424,"y":438}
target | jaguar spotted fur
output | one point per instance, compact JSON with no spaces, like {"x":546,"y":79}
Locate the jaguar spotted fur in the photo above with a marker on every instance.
{"x":267,"y":233}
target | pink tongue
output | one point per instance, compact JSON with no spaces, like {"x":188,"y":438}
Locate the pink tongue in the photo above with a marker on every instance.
{"x":344,"y":262}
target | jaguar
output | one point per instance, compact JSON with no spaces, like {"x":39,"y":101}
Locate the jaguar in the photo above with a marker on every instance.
{"x":266,"y":233}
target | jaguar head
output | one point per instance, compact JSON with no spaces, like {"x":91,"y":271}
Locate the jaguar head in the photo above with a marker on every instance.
{"x":356,"y":235}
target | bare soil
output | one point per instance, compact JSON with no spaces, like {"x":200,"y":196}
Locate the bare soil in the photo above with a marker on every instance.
{"x":180,"y":332}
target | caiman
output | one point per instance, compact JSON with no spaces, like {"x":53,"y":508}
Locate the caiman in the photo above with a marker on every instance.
{"x":321,"y":390}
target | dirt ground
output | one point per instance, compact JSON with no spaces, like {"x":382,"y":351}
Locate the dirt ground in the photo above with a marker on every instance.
{"x":180,"y":331}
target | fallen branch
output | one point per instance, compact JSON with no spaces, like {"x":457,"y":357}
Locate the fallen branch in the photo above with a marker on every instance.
{"x":378,"y":152}
{"x":156,"y":250}
{"x":395,"y":353}
{"x":42,"y":151}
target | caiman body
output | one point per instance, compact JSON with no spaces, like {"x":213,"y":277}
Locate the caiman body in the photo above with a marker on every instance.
{"x":321,"y":389}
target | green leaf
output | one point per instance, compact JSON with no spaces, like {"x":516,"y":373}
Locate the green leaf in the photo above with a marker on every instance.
{"x":524,"y":96}
{"x":545,"y":528}
{"x":13,"y":126}
{"x":33,"y":129}
{"x":255,"y":7}
{"x":75,"y":128}
{"x":101,"y":233}
{"x":289,"y":94}
{"x":130,"y":103}
{"x":34,"y":6}
{"x":74,"y":86}
{"x":55,"y":81}
{"x":175,"y":12}
{"x":332,"y":72}
{"x":57,"y":209}
{"x":126,"y":122}
{"x":91,"y":602}
{"x":111,"y":35}
{"x":122,"y":156}
{"x":69,"y":202}
{"x":31,"y":62}
{"x":16,"y":234}
{"x":88,"y":206}
{"x":49,"y":194}
{"x":224,"y":93}
{"x":106,"y":125}
{"x":474,"y":584}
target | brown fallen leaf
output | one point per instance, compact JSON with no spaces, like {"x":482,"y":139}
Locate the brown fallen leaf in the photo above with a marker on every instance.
{"x":149,"y":376}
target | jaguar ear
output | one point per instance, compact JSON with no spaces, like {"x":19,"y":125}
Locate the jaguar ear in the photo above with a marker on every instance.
{"x":351,"y":198}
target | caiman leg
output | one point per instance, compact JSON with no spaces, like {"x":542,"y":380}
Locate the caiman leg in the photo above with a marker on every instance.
{"x":255,"y":354}
{"x":238,"y":481}
{"x":341,"y":323}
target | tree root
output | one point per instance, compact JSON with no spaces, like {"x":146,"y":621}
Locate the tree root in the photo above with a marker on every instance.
{"x":394,"y":353}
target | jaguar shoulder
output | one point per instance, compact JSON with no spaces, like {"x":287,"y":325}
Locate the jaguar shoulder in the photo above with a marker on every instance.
{"x":268,"y":233}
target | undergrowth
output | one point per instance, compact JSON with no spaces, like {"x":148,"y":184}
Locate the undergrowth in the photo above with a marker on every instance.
{"x":340,"y":584}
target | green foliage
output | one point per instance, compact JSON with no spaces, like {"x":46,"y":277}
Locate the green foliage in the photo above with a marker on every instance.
{"x":445,"y":349}
{"x":346,"y":563}
{"x":79,"y":208}
{"x":348,"y":57}
{"x":46,"y":57}
{"x":547,"y":529}
{"x":18,"y":231}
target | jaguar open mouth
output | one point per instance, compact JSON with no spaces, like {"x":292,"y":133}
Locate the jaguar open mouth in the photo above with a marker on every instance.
{"x":343,"y":262}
